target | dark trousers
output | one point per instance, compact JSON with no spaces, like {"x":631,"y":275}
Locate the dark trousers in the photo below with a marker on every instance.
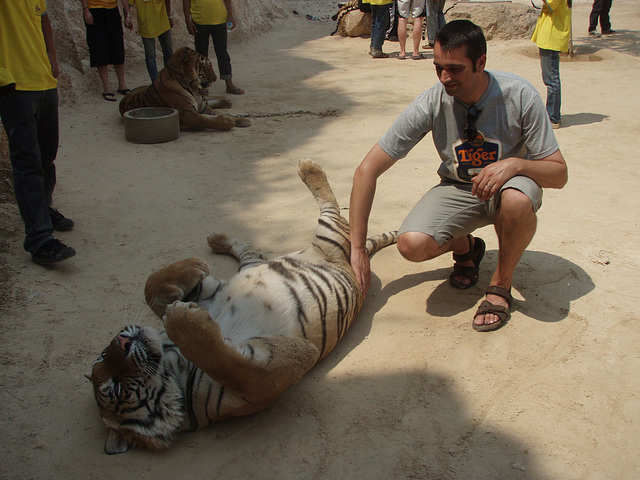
{"x":379,"y":25}
{"x":218,"y":34}
{"x":31,"y":122}
{"x":600,"y":11}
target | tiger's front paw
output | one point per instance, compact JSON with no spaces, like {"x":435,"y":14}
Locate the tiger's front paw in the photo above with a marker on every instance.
{"x":225,"y":122}
{"x":242,"y":122}
{"x":192,"y":330}
{"x":174,"y":282}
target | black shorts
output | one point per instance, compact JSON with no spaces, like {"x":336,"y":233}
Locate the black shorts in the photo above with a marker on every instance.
{"x":105,"y":37}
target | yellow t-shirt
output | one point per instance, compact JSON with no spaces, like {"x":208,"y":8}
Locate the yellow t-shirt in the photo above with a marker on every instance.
{"x":208,"y":12}
{"x":23,"y":53}
{"x":102,"y":3}
{"x":553,"y":29}
{"x":152,"y":17}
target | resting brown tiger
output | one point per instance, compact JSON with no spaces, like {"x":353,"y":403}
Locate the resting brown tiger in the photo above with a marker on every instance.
{"x":232,"y":347}
{"x":179,"y":85}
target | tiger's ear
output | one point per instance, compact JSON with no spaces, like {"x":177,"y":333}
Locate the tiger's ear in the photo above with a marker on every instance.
{"x":185,"y":56}
{"x":115,"y":443}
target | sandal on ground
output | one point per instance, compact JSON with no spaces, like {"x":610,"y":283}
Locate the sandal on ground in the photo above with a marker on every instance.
{"x":475,"y":254}
{"x":236,"y":91}
{"x":417,"y":57}
{"x":109,"y":96}
{"x":486,"y":307}
{"x":123,"y":91}
{"x":402,"y":56}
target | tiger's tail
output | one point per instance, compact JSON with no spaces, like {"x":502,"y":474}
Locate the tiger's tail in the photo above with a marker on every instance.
{"x":133,"y":99}
{"x":380,"y":241}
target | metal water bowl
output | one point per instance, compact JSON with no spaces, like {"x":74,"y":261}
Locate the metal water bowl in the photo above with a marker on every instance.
{"x":151,"y":125}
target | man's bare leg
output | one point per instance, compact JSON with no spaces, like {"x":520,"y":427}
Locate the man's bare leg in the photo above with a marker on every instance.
{"x":402,"y":36}
{"x":417,"y":35}
{"x":104,"y":77}
{"x":419,"y":247}
{"x":119,"y":68}
{"x":515,"y":224}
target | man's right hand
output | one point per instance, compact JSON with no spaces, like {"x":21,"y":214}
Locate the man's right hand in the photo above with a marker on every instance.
{"x":362,"y":268}
{"x":374,"y":164}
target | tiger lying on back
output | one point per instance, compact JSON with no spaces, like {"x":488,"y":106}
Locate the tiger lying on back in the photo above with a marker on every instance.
{"x":179,"y":85}
{"x":231,"y":348}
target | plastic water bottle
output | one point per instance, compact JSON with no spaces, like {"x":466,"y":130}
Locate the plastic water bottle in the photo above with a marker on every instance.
{"x":229,"y":27}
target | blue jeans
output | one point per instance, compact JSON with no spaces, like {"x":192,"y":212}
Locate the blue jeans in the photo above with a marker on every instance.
{"x":218,"y":35}
{"x":550,"y":64}
{"x":379,"y":24}
{"x":31,"y":122}
{"x":150,"y":52}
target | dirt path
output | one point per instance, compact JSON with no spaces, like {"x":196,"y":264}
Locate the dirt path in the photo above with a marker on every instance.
{"x":412,"y":391}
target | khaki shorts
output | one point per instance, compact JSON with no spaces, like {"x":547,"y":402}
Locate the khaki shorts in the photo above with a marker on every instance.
{"x":415,"y":8}
{"x":449,"y":210}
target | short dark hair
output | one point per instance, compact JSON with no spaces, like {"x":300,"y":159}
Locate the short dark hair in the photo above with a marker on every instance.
{"x":463,"y":33}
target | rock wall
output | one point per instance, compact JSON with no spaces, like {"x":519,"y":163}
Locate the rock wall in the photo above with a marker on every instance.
{"x":499,"y":20}
{"x":253,"y":17}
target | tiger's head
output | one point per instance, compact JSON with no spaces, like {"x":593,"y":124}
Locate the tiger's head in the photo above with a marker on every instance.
{"x":136,"y":385}
{"x":196,"y":70}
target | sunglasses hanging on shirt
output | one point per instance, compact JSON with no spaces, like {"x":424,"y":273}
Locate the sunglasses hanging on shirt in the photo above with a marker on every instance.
{"x":470,"y":132}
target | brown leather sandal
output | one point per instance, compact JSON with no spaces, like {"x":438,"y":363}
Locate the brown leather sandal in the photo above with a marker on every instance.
{"x":475,"y":254}
{"x":503,"y":313}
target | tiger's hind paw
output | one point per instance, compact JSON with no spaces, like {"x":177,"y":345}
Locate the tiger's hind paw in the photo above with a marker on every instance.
{"x":219,"y":102}
{"x":219,"y":243}
{"x":316,"y":181}
{"x":307,"y":168}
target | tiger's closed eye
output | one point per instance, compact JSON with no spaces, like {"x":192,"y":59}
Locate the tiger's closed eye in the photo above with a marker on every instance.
{"x":100,"y":358}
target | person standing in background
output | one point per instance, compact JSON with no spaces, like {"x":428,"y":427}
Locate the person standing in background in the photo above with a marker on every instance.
{"x":29,"y":113}
{"x":415,"y":8}
{"x":379,"y":25}
{"x":154,"y":21}
{"x":600,"y":12}
{"x":435,"y":20}
{"x":105,"y":41}
{"x":552,"y":35}
{"x":206,"y":18}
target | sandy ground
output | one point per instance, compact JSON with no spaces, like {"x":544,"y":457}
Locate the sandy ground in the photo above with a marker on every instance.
{"x":412,"y":391}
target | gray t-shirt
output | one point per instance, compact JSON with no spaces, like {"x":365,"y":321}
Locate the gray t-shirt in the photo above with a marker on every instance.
{"x":513,"y":122}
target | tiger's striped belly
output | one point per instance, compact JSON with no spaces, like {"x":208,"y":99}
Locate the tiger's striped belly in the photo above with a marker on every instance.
{"x":289,"y":297}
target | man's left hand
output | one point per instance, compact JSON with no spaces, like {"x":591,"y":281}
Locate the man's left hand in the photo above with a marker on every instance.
{"x":492,"y":177}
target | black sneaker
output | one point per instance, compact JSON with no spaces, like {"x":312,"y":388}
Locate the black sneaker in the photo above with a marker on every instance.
{"x":593,"y":33}
{"x":52,"y":251}
{"x":609,"y":32}
{"x":59,"y":221}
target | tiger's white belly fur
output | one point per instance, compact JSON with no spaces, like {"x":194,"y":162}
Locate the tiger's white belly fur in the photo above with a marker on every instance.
{"x":257,"y":303}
